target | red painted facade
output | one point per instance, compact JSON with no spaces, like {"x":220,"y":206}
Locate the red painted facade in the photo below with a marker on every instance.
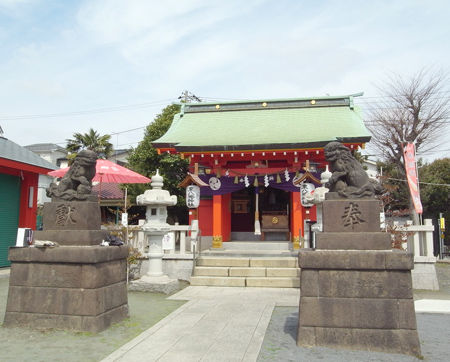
{"x":216,"y":215}
{"x":29,"y":176}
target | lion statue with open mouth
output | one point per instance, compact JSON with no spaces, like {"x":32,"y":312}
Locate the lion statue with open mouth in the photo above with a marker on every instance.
{"x":348,"y":178}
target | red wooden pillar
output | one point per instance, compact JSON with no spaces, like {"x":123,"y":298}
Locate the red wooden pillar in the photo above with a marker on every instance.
{"x":297,"y":218}
{"x":217,"y":221}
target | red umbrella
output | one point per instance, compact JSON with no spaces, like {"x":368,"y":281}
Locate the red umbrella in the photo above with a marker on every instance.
{"x":110,"y":172}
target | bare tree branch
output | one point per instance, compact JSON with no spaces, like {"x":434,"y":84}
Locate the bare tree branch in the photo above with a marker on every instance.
{"x":414,"y":109}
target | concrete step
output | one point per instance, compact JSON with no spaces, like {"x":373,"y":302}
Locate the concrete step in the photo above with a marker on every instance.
{"x":222,"y":261}
{"x":217,"y":281}
{"x":273,"y":282}
{"x":211,"y":271}
{"x":259,"y":262}
{"x":256,"y":245}
{"x":246,"y":272}
{"x":249,"y":253}
{"x":267,"y":282}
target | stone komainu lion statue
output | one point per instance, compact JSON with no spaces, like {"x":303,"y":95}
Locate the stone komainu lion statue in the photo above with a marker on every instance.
{"x":76,"y":185}
{"x":348,"y":178}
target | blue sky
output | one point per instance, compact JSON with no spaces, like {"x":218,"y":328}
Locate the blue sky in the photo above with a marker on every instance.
{"x":112,"y":65}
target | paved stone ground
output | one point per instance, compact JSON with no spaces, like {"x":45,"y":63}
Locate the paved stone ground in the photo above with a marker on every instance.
{"x":434,"y":333}
{"x":217,"y":324}
{"x":21,"y":344}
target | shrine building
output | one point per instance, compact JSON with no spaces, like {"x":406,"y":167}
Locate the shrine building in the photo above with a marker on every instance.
{"x":256,"y":158}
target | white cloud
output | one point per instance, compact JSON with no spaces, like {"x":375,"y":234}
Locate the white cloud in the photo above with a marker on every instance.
{"x":16,"y":8}
{"x":143,"y":29}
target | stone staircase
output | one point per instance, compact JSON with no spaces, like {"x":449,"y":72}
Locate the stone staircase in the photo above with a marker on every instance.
{"x":248,"y":264}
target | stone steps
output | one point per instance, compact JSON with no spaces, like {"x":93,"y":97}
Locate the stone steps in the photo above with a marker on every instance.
{"x":256,"y":245}
{"x":254,"y":271}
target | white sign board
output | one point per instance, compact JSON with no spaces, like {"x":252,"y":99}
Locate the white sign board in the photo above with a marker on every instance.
{"x":168,"y":241}
{"x":125,"y":219}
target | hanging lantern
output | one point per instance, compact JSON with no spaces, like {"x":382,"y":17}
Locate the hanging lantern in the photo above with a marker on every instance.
{"x":306,"y":188}
{"x":192,"y":196}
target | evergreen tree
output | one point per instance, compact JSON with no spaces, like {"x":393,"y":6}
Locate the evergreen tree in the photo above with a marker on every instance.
{"x":146,"y":160}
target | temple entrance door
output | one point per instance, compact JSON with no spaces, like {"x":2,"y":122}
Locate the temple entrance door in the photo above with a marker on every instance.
{"x":274,"y":210}
{"x":243,"y":210}
{"x":274,"y":206}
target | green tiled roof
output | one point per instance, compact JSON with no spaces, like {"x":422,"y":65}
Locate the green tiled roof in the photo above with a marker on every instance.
{"x":12,"y":151}
{"x":265,"y":124}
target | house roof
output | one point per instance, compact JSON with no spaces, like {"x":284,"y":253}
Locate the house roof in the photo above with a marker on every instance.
{"x":120,"y":152}
{"x":110,"y":191}
{"x":12,"y":151}
{"x":45,"y":147}
{"x":265,"y":124}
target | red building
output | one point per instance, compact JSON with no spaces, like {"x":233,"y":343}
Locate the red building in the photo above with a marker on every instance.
{"x":19,"y":173}
{"x":256,"y":155}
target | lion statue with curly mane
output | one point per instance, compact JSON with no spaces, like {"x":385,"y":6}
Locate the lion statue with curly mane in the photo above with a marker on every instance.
{"x":348,"y":178}
{"x":76,"y":185}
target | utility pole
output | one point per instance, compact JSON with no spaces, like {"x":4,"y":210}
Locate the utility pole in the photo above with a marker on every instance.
{"x":187,"y":97}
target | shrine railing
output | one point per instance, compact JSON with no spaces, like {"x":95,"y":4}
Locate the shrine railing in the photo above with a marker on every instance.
{"x":418,"y":239}
{"x":176,"y":241}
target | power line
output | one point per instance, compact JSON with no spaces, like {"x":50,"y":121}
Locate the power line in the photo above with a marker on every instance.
{"x":420,"y":182}
{"x":91,"y":111}
{"x":128,"y":130}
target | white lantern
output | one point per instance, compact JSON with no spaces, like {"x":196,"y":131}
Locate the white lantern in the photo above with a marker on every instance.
{"x":192,"y":196}
{"x":306,"y":189}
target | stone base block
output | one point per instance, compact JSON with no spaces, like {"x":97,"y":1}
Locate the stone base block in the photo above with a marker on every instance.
{"x":383,"y":340}
{"x":162,"y":284}
{"x":357,"y":299}
{"x":353,"y":241}
{"x":69,"y":287}
{"x":359,"y":313}
{"x":72,"y":237}
{"x":395,"y":284}
{"x":355,"y":259}
{"x":93,"y":324}
{"x":424,"y":275}
{"x":71,"y":215}
{"x":351,"y":215}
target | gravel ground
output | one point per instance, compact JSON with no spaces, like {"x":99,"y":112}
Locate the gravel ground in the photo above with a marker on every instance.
{"x":20,"y":344}
{"x":434,"y":333}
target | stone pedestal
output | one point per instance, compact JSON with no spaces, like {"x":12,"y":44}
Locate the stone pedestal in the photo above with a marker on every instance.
{"x":355,"y":292}
{"x":73,"y":287}
{"x":71,"y":223}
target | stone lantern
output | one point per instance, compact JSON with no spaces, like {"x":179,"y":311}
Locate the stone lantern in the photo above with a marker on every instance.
{"x":155,"y":227}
